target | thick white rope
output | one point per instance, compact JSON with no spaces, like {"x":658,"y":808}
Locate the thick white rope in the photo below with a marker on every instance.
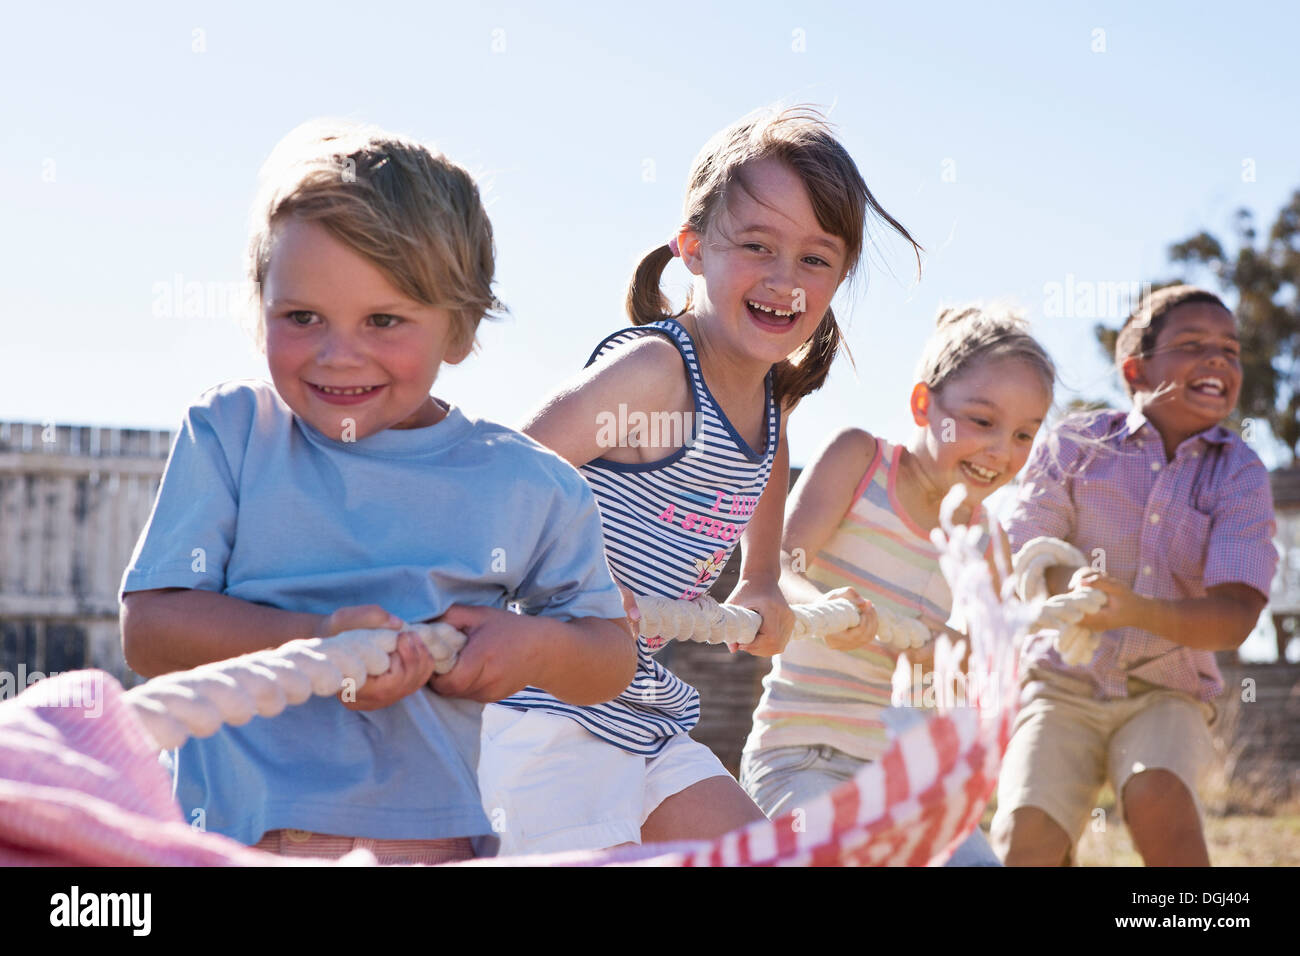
{"x":195,"y":703}
{"x":1061,"y":612}
{"x":707,"y":621}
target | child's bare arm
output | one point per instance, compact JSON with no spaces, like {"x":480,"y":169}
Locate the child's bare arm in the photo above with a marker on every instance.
{"x":1220,"y":621}
{"x":760,"y":560}
{"x":178,"y":628}
{"x":818,"y":504}
{"x":647,"y":376}
{"x":583,"y":661}
{"x":820,"y":500}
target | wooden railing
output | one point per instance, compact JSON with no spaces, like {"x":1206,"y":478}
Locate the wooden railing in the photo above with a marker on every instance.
{"x":73,"y":500}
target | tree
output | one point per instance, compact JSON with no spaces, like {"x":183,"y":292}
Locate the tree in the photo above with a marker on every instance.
{"x":1266,"y":284}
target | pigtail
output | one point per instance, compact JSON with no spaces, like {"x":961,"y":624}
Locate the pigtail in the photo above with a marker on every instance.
{"x":806,"y":371}
{"x":646,"y":302}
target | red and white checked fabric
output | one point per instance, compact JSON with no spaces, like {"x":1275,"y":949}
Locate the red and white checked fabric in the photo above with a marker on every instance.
{"x":80,"y":782}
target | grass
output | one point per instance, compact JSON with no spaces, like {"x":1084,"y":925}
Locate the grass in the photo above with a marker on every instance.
{"x":1232,"y":840}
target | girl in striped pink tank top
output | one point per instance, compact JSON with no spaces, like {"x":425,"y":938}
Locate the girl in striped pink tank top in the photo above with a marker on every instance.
{"x":859,"y":526}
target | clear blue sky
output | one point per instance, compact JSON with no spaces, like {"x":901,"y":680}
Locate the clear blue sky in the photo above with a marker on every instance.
{"x":1014,"y":148}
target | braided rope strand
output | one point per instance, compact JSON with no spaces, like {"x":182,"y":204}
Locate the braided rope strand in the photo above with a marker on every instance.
{"x":1060,"y":612}
{"x":195,"y":703}
{"x":706,"y":621}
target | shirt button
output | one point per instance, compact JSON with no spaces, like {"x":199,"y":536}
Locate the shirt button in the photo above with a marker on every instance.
{"x":1155,"y":466}
{"x":1147,"y":569}
{"x":298,"y":836}
{"x":1155,"y":519}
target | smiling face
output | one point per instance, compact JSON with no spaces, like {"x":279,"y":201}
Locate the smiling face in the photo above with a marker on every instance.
{"x":343,"y":345}
{"x":1192,"y":379}
{"x":980,"y":428}
{"x":767,"y":270}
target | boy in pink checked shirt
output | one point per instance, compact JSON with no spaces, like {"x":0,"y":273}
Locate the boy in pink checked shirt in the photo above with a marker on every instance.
{"x":1180,"y":509}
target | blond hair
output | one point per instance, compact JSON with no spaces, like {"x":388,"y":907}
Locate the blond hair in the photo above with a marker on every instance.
{"x":974,"y":333}
{"x":801,"y":138}
{"x":403,"y":206}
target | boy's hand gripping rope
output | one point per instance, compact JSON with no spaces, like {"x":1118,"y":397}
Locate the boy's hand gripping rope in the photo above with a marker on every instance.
{"x":195,"y":703}
{"x":1061,"y":612}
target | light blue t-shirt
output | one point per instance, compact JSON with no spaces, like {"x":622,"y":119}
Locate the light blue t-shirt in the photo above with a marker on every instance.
{"x":259,"y":505}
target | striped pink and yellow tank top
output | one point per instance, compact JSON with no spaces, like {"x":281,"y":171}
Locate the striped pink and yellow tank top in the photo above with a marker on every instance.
{"x":814,"y":695}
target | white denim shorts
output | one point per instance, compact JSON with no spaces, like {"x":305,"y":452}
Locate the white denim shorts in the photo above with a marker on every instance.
{"x":549,"y":786}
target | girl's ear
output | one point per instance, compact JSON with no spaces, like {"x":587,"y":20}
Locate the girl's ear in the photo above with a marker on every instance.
{"x":690,"y":244}
{"x":921,"y":404}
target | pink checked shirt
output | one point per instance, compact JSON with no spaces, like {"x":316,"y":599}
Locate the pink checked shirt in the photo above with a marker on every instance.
{"x":1167,"y":529}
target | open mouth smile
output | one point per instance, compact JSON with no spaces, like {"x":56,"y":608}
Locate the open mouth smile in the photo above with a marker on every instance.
{"x":1211,"y":386}
{"x":772,"y":317}
{"x":344,"y":395}
{"x":979,"y":475}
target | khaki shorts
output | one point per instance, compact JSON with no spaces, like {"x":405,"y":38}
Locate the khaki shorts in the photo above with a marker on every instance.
{"x":1066,"y":744}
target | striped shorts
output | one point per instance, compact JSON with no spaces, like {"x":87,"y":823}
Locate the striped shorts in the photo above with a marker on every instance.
{"x":327,"y":846}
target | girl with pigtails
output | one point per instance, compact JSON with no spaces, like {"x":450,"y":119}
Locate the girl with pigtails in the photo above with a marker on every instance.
{"x":773,"y":223}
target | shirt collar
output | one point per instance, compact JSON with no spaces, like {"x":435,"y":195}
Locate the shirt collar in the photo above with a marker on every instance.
{"x":1136,"y":421}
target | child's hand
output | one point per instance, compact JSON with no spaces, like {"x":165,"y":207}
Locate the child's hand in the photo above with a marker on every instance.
{"x":1123,"y":608}
{"x":501,"y":657}
{"x":631,"y":610}
{"x":410,"y":666}
{"x":357,"y":617}
{"x":865,"y":631}
{"x":769,"y":603}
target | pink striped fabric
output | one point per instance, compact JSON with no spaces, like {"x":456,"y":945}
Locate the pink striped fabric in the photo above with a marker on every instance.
{"x":80,"y":785}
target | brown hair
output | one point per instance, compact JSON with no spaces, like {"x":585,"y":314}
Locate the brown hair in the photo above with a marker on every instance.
{"x":971,"y":333}
{"x":1140,"y":331}
{"x":801,"y":138}
{"x":405,"y":207}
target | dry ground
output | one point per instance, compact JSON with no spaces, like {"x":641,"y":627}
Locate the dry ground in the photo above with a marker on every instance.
{"x":1233,"y":841}
{"x":1254,"y":832}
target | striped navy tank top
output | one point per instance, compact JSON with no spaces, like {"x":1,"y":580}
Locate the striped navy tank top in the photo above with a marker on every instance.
{"x":669,"y":527}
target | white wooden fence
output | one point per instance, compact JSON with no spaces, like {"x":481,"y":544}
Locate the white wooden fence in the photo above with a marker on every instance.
{"x":73,"y":500}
